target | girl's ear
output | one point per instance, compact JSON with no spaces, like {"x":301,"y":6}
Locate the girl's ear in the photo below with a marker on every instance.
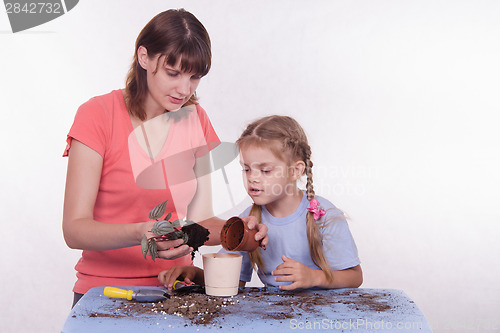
{"x":142,"y":57}
{"x":297,"y":169}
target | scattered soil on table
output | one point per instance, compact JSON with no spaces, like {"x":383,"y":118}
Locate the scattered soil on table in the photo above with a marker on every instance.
{"x":295,"y":303}
{"x":194,"y":305}
{"x":200,"y":309}
{"x":359,"y":300}
{"x":191,"y":303}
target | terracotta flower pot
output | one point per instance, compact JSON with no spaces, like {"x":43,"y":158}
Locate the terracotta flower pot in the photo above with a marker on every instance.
{"x":235,"y":236}
{"x":222,"y":273}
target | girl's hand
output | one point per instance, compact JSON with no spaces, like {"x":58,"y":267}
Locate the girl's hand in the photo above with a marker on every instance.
{"x":169,"y":249}
{"x":261,"y":234}
{"x":187,"y":274}
{"x":293,"y":271}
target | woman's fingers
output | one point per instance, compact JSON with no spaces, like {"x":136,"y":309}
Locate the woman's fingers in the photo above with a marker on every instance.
{"x":168,"y":244}
{"x":175,"y":253}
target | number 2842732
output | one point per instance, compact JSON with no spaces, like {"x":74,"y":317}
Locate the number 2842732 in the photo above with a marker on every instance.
{"x":34,"y":8}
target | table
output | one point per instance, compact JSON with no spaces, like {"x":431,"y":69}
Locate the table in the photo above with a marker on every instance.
{"x":257,"y":310}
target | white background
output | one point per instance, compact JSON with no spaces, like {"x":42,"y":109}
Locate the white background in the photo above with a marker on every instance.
{"x":400,"y":100}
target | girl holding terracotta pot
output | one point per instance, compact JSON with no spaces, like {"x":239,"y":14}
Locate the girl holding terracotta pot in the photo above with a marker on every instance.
{"x":310,"y":244}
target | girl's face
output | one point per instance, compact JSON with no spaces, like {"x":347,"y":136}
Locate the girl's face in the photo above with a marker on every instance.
{"x":170,"y":87}
{"x":268,"y":180}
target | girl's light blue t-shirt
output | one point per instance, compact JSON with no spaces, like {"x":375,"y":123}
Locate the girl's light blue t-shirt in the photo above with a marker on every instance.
{"x":288,"y":236}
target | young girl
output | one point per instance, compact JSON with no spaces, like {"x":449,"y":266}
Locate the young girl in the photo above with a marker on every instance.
{"x":310,"y":244}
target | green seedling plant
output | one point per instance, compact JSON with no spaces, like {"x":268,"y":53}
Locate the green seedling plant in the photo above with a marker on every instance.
{"x":193,"y":234}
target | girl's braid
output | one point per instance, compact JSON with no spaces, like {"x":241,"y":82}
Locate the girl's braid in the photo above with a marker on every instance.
{"x":309,"y":174}
{"x":301,"y":149}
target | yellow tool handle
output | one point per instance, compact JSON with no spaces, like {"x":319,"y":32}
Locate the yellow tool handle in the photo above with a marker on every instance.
{"x":178,"y":284}
{"x":118,"y":293}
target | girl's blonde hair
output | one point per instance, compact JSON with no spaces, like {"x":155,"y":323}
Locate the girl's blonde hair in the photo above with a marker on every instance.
{"x":288,"y":142}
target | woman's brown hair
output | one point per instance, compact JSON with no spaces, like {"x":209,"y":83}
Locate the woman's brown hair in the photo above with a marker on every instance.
{"x":287,"y":141}
{"x":175,"y":35}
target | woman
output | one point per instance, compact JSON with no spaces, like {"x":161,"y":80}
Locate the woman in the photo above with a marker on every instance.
{"x":119,"y":142}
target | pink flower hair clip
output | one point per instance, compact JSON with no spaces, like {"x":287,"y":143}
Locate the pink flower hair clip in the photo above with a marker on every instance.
{"x":315,"y":208}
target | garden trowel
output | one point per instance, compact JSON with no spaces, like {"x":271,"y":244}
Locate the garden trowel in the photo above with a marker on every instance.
{"x":141,"y":295}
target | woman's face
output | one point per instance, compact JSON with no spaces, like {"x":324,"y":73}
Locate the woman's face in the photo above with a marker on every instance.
{"x":168,"y":86}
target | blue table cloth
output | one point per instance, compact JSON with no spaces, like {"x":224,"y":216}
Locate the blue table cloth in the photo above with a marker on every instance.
{"x":258,"y":309}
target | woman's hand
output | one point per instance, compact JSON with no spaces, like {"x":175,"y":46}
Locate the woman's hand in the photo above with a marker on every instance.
{"x":187,"y":274}
{"x":261,"y":234}
{"x":170,"y":249}
{"x":296,"y":272}
{"x":167,"y":249}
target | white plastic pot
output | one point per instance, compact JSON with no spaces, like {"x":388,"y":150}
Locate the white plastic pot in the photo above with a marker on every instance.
{"x":222,"y":273}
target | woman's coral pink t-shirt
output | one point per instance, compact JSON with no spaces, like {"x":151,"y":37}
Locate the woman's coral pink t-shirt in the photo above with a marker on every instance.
{"x":103,"y":124}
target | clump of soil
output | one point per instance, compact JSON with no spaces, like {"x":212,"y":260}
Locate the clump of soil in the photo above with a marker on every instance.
{"x":197,"y":235}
